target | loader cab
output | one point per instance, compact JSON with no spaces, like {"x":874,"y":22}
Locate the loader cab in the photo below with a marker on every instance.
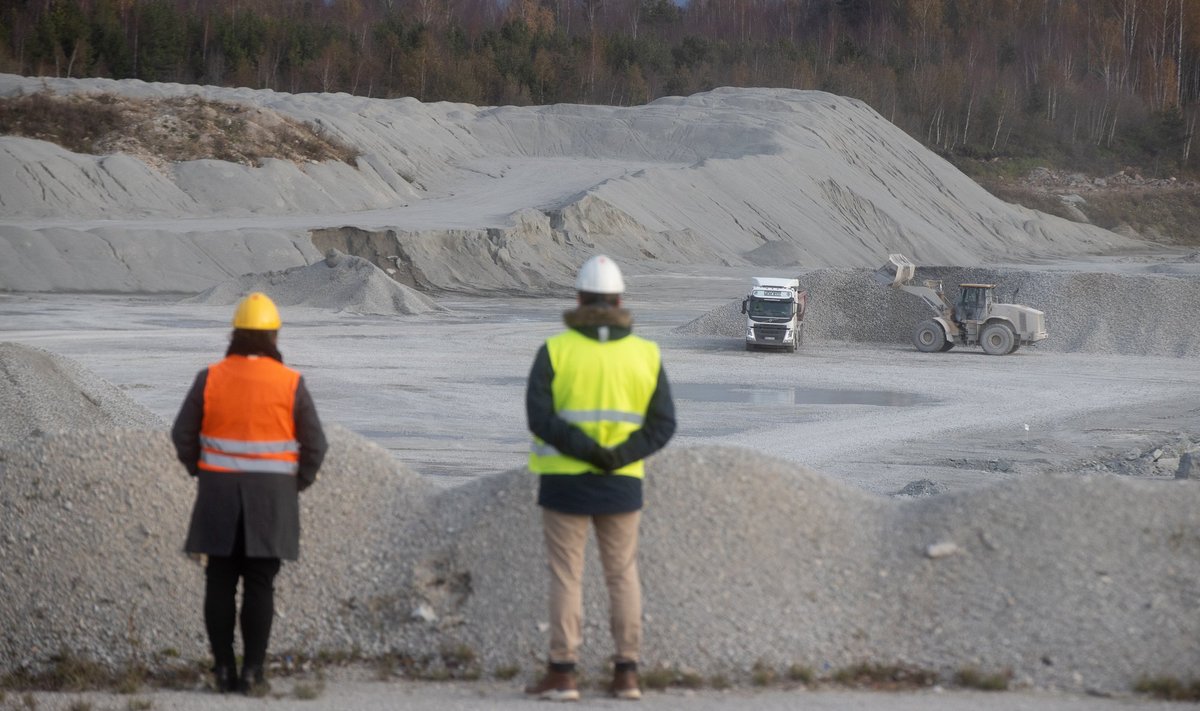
{"x":974,"y":302}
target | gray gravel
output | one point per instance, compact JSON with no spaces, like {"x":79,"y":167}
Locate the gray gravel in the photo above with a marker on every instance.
{"x":100,"y":515}
{"x":1072,"y":583}
{"x":43,"y":392}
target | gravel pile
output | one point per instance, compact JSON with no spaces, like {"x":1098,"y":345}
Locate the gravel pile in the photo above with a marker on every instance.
{"x":101,"y":515}
{"x":1070,"y":582}
{"x":1082,"y":582}
{"x":747,"y":559}
{"x":44,"y":392}
{"x":1085,"y":312}
{"x":339,"y":282}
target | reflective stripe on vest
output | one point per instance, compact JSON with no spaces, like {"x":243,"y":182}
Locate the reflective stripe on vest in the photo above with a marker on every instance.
{"x":602,"y":388}
{"x":249,"y":423}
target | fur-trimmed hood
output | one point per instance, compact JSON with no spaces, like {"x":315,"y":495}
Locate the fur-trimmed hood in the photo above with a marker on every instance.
{"x":600,"y":323}
{"x":593,"y":316}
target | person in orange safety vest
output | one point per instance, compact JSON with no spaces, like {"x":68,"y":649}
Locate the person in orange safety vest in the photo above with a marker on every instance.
{"x":248,"y":431}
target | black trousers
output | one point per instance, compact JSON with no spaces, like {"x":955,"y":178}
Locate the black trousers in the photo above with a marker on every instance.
{"x":258,"y":604}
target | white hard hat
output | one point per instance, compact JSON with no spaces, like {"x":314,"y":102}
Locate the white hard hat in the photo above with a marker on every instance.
{"x":600,"y":275}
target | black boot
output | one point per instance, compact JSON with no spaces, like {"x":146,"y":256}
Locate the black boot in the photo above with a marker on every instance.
{"x":225,"y":679}
{"x":254,"y":682}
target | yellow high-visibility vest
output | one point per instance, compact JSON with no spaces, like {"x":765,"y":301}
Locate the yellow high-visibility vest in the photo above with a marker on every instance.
{"x":604,"y":388}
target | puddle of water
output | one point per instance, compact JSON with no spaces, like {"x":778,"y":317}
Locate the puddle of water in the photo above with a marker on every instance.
{"x":757,"y":395}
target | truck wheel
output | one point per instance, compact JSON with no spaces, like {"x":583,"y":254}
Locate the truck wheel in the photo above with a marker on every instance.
{"x":929,"y":337}
{"x":997,"y":339}
{"x":749,"y":347}
{"x":1016,"y":345}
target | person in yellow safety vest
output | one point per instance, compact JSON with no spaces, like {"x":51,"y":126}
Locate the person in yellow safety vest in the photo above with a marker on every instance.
{"x":248,"y":431}
{"x":598,"y":403}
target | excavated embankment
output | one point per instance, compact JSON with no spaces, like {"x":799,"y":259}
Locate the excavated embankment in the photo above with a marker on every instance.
{"x":1085,"y":311}
{"x":745,"y":558}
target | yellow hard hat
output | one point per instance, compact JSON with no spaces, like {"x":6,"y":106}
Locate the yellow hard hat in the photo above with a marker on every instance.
{"x":256,"y":312}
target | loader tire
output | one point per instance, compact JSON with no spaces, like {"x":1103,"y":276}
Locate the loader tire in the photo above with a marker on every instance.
{"x":997,"y":339}
{"x":948,"y":346}
{"x":929,"y":337}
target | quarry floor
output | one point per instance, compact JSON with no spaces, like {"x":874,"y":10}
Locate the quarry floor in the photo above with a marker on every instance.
{"x":445,"y":394}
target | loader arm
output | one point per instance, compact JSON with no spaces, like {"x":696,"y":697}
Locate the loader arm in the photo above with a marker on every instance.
{"x":899,"y":271}
{"x":932,"y":298}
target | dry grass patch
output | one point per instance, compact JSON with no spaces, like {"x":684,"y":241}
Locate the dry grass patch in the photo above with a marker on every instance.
{"x":162,"y":131}
{"x":506,"y":672}
{"x":1169,"y":688}
{"x":800,"y":673}
{"x":884,"y":677}
{"x":973,"y":678}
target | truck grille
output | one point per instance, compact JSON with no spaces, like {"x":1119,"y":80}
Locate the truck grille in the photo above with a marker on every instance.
{"x":770,"y":333}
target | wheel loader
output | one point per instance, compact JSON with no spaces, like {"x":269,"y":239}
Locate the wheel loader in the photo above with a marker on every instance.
{"x":974,"y":318}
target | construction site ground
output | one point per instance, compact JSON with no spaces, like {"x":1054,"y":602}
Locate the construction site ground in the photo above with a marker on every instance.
{"x":445,"y":393}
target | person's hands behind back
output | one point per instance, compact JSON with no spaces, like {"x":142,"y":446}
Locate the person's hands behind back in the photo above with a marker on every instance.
{"x":603,"y":459}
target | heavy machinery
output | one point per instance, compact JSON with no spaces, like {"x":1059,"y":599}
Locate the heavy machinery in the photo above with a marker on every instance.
{"x":975,"y":317}
{"x":774,"y":311}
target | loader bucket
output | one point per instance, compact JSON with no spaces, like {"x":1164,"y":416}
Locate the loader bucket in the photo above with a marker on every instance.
{"x":897,"y":271}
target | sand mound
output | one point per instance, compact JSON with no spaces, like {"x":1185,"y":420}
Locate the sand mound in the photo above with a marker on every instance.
{"x":44,"y":392}
{"x":1085,"y":312}
{"x":728,"y":176}
{"x":103,"y":514}
{"x":339,"y":282}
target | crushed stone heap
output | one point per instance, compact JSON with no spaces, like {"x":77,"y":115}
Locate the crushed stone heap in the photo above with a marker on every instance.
{"x":44,"y":392}
{"x":1085,"y":311}
{"x":339,"y":282}
{"x":745,"y":559}
{"x":749,"y":559}
{"x":101,"y":517}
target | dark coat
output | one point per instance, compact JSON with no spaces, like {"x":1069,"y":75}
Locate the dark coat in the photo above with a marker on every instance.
{"x":598,"y":493}
{"x":268,"y":505}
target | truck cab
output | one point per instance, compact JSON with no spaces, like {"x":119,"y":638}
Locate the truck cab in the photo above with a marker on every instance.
{"x":774,"y":311}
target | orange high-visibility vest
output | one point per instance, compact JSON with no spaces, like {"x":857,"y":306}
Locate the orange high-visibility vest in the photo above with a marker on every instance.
{"x":248,"y":423}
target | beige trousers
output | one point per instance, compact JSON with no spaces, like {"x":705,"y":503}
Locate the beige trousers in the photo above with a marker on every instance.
{"x":566,"y":538}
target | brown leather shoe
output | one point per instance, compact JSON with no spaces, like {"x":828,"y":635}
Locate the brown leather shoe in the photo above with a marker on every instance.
{"x":555,"y":686}
{"x":625,"y":683}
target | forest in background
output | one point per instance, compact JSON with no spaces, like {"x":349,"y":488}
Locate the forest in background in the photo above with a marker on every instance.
{"x":1095,"y":85}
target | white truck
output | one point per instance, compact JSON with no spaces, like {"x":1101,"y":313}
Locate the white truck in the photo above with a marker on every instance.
{"x":774,"y":311}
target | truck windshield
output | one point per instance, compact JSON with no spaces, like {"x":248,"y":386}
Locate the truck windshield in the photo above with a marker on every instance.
{"x":770,"y":309}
